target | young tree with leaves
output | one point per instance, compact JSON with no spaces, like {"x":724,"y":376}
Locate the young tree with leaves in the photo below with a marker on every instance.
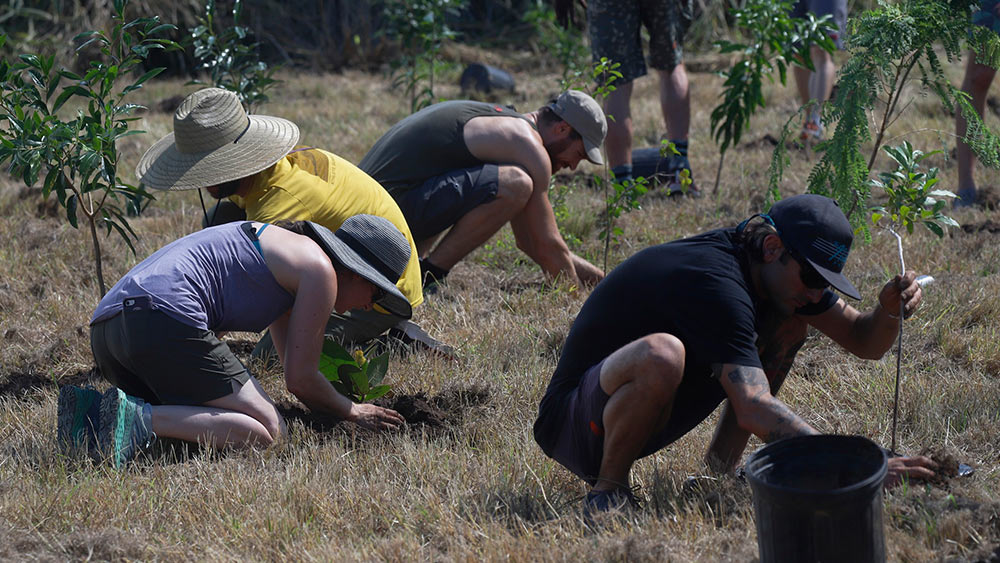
{"x":77,"y":156}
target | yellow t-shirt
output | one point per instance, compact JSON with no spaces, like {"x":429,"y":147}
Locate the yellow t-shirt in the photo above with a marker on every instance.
{"x":314,"y":185}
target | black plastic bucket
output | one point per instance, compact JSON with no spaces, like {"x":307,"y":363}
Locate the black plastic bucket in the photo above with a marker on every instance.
{"x":818,"y":498}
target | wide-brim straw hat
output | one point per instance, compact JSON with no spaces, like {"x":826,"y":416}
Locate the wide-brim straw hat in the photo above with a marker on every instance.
{"x":214,"y":141}
{"x":373,"y":248}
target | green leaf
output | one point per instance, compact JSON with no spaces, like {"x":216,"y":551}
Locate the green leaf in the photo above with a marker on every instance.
{"x":71,"y":205}
{"x":934,"y":228}
{"x":376,"y":392}
{"x":377,"y":368}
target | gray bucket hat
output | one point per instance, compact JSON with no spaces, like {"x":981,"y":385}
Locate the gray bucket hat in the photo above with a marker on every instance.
{"x":373,"y":248}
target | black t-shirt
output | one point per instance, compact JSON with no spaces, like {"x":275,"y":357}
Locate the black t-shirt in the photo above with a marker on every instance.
{"x":695,"y":289}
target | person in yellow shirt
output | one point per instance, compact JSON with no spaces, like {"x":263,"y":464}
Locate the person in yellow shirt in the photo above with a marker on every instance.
{"x":284,"y":182}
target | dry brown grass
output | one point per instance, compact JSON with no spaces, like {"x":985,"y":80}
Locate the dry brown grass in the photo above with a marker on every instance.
{"x":481,"y":489}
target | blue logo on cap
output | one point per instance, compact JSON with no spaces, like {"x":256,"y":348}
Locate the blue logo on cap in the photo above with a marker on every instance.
{"x":835,"y":252}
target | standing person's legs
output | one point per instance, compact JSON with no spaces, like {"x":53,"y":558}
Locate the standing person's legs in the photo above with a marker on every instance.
{"x":618,"y":142}
{"x":675,"y":102}
{"x":614,"y":35}
{"x":817,"y":85}
{"x":668,"y":22}
{"x":976,"y":83}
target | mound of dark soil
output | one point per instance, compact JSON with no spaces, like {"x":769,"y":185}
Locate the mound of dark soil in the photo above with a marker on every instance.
{"x":422,"y":413}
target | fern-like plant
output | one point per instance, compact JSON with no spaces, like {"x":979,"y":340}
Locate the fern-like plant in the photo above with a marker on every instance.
{"x":890,"y":47}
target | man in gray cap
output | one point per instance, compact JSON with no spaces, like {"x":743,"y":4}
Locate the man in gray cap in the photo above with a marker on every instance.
{"x":718,"y":316}
{"x":474,"y":166}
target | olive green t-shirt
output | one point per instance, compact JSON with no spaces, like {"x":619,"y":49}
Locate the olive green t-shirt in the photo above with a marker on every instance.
{"x":427,"y":144}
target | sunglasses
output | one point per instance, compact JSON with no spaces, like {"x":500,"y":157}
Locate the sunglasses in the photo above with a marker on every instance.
{"x":809,"y":276}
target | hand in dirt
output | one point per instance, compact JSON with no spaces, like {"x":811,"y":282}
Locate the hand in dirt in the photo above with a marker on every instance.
{"x":909,"y":467}
{"x":375,"y":417}
{"x":905,"y":287}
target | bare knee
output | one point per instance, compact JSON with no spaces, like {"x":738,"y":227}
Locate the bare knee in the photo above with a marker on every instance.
{"x":515,"y":185}
{"x":662,"y":358}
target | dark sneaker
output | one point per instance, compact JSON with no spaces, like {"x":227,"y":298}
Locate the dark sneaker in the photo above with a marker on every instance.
{"x":77,"y":420}
{"x":609,"y":500}
{"x":126,"y":426}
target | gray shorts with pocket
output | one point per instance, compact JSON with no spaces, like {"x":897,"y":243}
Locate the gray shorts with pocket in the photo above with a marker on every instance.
{"x":148,"y":354}
{"x":441,"y":201}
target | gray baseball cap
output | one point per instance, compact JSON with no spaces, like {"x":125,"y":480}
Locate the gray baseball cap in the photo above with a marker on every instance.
{"x":586,"y":117}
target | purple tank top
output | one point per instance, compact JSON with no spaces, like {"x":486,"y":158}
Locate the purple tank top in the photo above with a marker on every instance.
{"x":214,"y":279}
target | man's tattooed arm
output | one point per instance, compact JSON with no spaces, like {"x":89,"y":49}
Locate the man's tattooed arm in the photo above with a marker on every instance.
{"x":757,"y":410}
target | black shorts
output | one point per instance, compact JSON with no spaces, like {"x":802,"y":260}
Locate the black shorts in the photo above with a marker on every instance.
{"x":442,"y":200}
{"x":580,"y":443}
{"x":149,"y":354}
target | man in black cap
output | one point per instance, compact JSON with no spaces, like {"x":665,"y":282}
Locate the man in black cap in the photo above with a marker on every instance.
{"x":469,"y":168}
{"x":679,"y":327}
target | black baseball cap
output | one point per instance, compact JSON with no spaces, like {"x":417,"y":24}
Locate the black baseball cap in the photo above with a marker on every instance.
{"x":815,"y":228}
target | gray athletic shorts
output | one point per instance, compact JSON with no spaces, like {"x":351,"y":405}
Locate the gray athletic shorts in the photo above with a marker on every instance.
{"x":442,"y":200}
{"x":149,"y":354}
{"x":819,"y":8}
{"x":580,"y":443}
{"x":614,"y":33}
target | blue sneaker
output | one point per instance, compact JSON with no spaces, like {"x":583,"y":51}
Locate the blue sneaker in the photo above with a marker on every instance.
{"x":77,"y":420}
{"x":126,"y":426}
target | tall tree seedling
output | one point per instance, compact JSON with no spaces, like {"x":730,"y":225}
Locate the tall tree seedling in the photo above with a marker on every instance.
{"x":913,"y":199}
{"x":77,"y":157}
{"x":231,"y":58}
{"x":421,"y":27}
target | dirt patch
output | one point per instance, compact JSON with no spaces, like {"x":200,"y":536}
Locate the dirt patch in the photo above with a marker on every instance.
{"x":21,"y":385}
{"x":988,"y":225}
{"x":767,"y":142}
{"x":434,"y":414}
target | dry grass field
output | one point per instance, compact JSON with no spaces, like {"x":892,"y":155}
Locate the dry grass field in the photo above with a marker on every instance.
{"x":468,"y":483}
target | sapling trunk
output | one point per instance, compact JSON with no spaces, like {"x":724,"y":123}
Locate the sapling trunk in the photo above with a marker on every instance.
{"x":899,"y":344}
{"x":97,"y":255}
{"x":718,"y":173}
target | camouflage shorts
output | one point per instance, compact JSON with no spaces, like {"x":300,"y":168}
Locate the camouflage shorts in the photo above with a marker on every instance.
{"x":614,"y":32}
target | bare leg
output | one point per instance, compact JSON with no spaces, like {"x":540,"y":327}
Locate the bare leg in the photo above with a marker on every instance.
{"x":675,"y":102}
{"x":618,"y":142}
{"x":641,"y":378}
{"x":246,"y":417}
{"x":477,"y":226}
{"x":976,"y":83}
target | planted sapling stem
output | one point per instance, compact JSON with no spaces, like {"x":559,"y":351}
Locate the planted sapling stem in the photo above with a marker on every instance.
{"x":899,"y":342}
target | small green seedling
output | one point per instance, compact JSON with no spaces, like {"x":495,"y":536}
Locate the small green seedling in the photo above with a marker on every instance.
{"x":354,"y":375}
{"x":913,"y":199}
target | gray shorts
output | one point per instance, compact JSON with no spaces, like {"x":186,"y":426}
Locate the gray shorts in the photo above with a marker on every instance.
{"x":614,"y":33}
{"x":820,"y":8}
{"x":149,"y":354}
{"x":580,"y":443}
{"x":441,"y":201}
